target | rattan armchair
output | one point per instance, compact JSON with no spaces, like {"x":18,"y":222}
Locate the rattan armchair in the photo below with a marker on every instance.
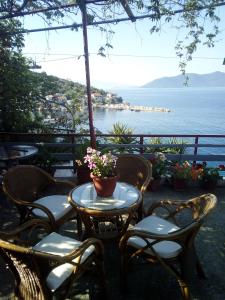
{"x":169,"y":239}
{"x":136,"y":170}
{"x":49,"y":267}
{"x":38,"y":194}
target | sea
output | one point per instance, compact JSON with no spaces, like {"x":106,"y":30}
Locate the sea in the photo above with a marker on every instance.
{"x":192,"y":111}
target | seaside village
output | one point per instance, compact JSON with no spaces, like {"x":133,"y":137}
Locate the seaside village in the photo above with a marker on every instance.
{"x":56,"y":106}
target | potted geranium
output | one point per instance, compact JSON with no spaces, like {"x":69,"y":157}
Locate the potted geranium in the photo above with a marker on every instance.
{"x":209,"y":177}
{"x":103,"y":171}
{"x":181,"y":173}
{"x":158,"y":170}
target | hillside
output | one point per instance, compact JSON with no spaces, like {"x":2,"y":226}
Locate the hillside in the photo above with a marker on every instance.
{"x":215,"y":79}
{"x":49,"y":84}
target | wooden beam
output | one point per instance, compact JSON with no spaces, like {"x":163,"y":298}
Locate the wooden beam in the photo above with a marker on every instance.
{"x":127,"y":9}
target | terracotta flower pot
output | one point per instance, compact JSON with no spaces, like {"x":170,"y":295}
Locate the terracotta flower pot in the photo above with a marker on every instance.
{"x":83,"y":175}
{"x":154,"y":184}
{"x":209,"y":185}
{"x":104,"y":186}
{"x":179,"y":184}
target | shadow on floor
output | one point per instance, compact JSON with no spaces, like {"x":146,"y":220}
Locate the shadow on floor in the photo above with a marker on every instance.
{"x":145,"y":281}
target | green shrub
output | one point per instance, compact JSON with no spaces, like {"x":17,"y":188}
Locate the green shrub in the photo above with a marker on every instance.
{"x":122,"y":129}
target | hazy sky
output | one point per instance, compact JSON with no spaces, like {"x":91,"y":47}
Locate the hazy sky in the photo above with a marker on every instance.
{"x":137,"y":56}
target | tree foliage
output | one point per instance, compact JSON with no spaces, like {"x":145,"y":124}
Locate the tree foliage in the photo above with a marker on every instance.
{"x":23,"y":91}
{"x":17,"y":96}
{"x":196,"y":20}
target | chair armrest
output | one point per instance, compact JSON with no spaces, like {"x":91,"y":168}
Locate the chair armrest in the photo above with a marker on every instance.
{"x":150,"y":235}
{"x":151,"y":239}
{"x":31,"y":205}
{"x":58,"y":187}
{"x":30,"y":225}
{"x":66,"y":182}
{"x":78,"y":252}
{"x":99,"y":249}
{"x":171,"y":206}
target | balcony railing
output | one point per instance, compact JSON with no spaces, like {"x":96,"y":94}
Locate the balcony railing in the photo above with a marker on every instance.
{"x":201,"y":147}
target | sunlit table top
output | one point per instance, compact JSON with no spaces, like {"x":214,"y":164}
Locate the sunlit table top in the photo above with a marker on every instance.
{"x":124,"y":196}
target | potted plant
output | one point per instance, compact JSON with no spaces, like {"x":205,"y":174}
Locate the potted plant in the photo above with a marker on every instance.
{"x":195,"y":173}
{"x":181,"y":174}
{"x":44,"y":160}
{"x":83,"y":172}
{"x":103,"y":171}
{"x":159,"y":164}
{"x":209,"y":177}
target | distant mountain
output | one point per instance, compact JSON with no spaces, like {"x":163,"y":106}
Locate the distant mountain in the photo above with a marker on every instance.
{"x":215,"y":79}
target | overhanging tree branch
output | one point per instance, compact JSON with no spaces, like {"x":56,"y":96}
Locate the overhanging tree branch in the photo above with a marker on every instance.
{"x":112,"y":21}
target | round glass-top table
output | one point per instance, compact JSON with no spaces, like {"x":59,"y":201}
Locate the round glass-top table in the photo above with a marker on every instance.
{"x":9,"y":154}
{"x":105,"y":217}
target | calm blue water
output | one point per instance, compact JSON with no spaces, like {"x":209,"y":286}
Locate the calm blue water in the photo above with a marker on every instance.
{"x":193,"y":111}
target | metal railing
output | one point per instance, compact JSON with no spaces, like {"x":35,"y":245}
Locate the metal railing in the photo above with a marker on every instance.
{"x":189,"y":147}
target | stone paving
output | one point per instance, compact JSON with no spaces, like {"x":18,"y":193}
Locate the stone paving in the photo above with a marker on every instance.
{"x":146,"y":281}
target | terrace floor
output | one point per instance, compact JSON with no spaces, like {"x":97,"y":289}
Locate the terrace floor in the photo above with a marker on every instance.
{"x":146,"y":281}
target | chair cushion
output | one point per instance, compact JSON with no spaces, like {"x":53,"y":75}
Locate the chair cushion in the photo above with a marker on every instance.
{"x":57,"y":204}
{"x":154,"y":224}
{"x":60,"y":245}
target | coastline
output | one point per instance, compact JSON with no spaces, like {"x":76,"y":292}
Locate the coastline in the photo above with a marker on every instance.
{"x":127,"y":106}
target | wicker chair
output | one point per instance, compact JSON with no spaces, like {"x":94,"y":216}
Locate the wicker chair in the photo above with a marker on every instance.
{"x":136,"y":170}
{"x":38,"y":194}
{"x":164,"y":240}
{"x":50,"y":267}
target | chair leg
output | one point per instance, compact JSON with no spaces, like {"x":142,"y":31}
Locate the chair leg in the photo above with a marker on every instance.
{"x":23,"y":214}
{"x":197,"y":265}
{"x":140,"y":213}
{"x":184,"y":290}
{"x":102,"y":277}
{"x":123,"y":272}
{"x":79,"y":226}
{"x":200,"y":271}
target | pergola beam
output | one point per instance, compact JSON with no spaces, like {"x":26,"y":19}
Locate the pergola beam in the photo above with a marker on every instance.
{"x":124,"y":3}
{"x":17,"y":14}
{"x":128,"y":10}
{"x":114,"y":21}
{"x":36,"y":11}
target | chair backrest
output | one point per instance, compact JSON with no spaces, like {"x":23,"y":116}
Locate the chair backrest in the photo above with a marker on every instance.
{"x":24,"y":267}
{"x":22,"y":259}
{"x":134,"y":169}
{"x":201,"y":206}
{"x":25,"y":182}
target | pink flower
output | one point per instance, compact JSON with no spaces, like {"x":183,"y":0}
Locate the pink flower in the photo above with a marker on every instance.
{"x":102,"y":165}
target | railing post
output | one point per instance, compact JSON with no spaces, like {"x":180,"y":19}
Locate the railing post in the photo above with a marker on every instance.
{"x":73,"y":152}
{"x":196,"y":148}
{"x":141,"y":143}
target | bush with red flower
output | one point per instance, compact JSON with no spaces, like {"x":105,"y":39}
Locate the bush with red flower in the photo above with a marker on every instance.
{"x":208,"y":173}
{"x":181,"y":170}
{"x":196,"y":171}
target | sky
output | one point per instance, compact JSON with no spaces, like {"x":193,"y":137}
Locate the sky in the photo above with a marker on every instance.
{"x":137,"y":57}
